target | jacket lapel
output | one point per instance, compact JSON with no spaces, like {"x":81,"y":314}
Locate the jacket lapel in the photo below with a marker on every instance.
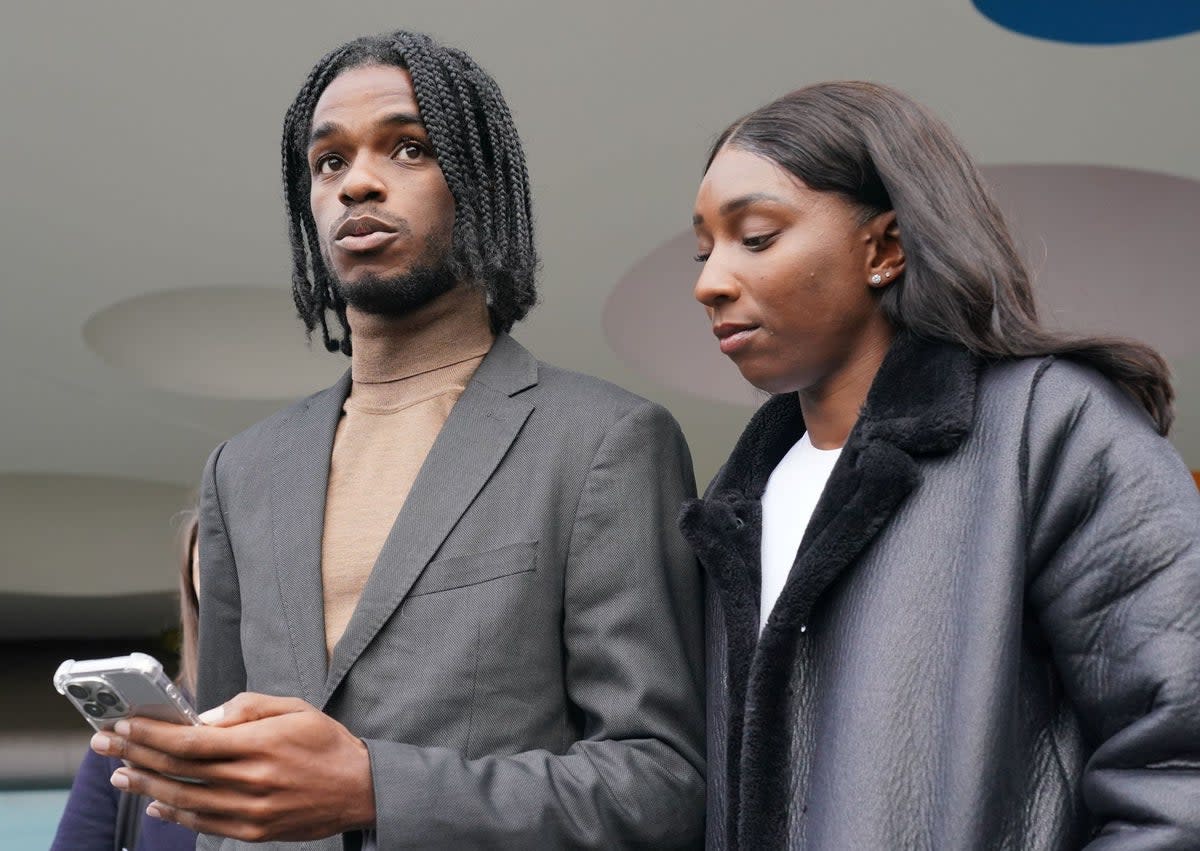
{"x":301,"y":477}
{"x":476,"y":436}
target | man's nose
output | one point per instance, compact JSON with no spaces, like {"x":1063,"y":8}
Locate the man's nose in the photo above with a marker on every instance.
{"x":362,"y":182}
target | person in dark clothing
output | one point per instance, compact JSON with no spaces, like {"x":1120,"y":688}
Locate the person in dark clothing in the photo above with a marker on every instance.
{"x":954,"y":597}
{"x":97,"y":816}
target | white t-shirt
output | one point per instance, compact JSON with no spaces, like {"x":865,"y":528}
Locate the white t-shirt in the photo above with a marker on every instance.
{"x":792,"y":492}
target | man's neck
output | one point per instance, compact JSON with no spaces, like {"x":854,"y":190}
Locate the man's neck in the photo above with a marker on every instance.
{"x":451,"y":328}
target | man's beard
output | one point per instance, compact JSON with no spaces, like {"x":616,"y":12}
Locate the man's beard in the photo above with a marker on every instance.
{"x":399,"y":294}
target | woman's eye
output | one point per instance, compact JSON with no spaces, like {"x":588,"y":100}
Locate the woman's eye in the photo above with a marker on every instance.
{"x":758,"y":242}
{"x":330,"y":165}
{"x":410,"y":151}
{"x":701,"y":256}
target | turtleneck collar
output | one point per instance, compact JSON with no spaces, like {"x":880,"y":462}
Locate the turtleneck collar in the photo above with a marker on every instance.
{"x":451,"y":329}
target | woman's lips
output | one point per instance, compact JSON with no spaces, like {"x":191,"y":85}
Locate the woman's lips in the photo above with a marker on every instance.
{"x":357,"y":244}
{"x":731,"y":339}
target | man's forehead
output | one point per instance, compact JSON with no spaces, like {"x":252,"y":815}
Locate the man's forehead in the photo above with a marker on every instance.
{"x":366,"y":87}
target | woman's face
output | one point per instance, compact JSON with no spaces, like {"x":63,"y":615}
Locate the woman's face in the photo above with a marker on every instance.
{"x":787,"y":273}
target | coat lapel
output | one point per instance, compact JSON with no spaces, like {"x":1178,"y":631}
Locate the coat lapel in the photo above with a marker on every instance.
{"x":724,"y":528}
{"x":476,"y":436}
{"x":921,"y":403}
{"x":301,"y":477}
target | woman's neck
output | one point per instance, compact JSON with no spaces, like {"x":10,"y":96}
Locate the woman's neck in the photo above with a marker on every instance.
{"x":833,"y":405}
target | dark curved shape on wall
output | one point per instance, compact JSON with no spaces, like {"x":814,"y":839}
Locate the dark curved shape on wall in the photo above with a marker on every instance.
{"x":1094,"y":21}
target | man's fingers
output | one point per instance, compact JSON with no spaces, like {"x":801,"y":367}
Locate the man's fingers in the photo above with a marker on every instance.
{"x":107,"y":744}
{"x":177,"y":740}
{"x":181,"y":797}
{"x":212,"y":823}
{"x":203,"y":809}
{"x":251,"y":726}
{"x":199,"y":742}
{"x":249,"y":706}
{"x":219,"y":771}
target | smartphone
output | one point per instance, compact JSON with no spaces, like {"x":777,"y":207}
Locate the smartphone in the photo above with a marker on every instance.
{"x":107,"y":690}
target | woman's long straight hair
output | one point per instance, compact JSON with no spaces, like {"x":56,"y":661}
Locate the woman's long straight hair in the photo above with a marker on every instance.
{"x":963,"y":282}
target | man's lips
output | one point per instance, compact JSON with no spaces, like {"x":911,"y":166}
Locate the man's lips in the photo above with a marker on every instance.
{"x":364,"y":233}
{"x":733,"y":335}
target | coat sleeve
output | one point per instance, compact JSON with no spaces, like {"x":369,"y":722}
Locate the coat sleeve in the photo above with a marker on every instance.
{"x":634,"y":673}
{"x":1115,"y":545}
{"x":221,"y":673}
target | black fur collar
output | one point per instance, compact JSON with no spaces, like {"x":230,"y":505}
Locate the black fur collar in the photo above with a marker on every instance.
{"x":921,"y":403}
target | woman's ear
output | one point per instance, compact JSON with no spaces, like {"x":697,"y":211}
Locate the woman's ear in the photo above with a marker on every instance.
{"x":885,"y":253}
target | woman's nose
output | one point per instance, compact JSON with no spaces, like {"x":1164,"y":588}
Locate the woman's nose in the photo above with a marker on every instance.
{"x":715,"y":285}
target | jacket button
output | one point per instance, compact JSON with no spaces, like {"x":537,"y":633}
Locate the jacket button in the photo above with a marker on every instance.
{"x":804,"y":627}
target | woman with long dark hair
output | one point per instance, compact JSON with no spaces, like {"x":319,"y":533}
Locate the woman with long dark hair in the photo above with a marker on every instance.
{"x":954,"y":562}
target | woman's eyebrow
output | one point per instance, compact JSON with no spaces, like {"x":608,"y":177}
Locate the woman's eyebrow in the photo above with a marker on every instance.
{"x":735,"y":204}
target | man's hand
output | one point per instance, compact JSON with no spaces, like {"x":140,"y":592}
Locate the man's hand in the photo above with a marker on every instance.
{"x":269,"y":768}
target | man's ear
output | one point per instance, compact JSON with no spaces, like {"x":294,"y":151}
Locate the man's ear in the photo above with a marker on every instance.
{"x":885,"y":253}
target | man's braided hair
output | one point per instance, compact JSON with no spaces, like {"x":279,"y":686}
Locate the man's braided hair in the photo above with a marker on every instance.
{"x":475,"y":141}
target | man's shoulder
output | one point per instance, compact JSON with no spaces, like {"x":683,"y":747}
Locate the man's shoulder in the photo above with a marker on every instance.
{"x":265,"y":432}
{"x":513,"y":369}
{"x":556,"y":383}
{"x":575,"y":397}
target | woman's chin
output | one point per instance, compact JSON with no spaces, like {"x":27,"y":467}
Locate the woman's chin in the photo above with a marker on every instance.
{"x":767,"y":382}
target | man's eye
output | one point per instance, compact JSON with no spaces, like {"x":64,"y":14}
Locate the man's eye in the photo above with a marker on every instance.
{"x":330,"y":164}
{"x":410,"y":151}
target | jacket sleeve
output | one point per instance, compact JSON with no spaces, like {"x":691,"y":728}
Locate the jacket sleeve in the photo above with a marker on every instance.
{"x":221,"y":673}
{"x":634,"y":673}
{"x":1115,"y":523}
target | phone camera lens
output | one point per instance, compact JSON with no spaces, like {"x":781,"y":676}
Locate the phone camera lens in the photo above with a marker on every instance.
{"x":107,"y":698}
{"x":77,"y":691}
{"x":94,"y":709}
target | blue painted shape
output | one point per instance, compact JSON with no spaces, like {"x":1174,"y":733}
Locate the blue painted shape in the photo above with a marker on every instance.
{"x":29,"y":819}
{"x":1095,"y":21}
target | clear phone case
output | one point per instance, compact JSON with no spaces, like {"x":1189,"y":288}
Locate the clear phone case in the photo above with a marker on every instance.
{"x":107,"y":690}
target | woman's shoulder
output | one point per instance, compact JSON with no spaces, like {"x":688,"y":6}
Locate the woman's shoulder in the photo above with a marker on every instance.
{"x":1056,"y":388}
{"x":1079,"y":424}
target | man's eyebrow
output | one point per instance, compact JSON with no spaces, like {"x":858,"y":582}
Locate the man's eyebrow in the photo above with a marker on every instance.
{"x":735,"y":204}
{"x":396,"y":119}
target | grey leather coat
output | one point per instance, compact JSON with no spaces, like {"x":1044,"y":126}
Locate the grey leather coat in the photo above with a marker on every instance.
{"x":990,"y":638}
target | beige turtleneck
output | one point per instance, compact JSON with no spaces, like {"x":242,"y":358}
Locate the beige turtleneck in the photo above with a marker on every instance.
{"x":407,"y":374}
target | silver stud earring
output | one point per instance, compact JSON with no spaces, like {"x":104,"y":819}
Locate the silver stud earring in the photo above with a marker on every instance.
{"x":877,"y":278}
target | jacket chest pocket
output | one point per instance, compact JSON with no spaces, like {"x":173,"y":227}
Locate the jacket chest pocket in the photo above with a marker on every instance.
{"x":423,"y":669}
{"x":448,"y":574}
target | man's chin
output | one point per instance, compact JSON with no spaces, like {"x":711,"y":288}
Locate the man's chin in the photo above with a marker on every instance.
{"x":366,"y":274}
{"x":395,"y":294}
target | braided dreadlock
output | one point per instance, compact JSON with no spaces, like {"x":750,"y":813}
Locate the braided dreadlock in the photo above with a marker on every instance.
{"x":477,"y":147}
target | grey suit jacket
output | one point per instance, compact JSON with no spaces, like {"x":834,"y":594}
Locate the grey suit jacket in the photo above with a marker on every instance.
{"x":525,"y":665}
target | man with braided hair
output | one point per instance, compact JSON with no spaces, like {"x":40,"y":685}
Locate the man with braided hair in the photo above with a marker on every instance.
{"x":443,"y":602}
